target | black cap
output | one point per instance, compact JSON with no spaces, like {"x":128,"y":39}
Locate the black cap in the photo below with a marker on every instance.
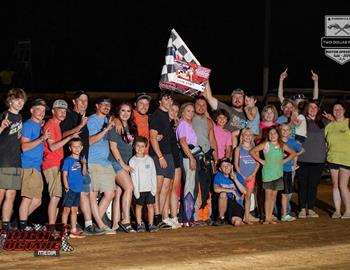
{"x":224,"y":160}
{"x":142,"y":95}
{"x":103,"y":99}
{"x":39,"y":102}
{"x":78,"y":93}
{"x":166,"y":93}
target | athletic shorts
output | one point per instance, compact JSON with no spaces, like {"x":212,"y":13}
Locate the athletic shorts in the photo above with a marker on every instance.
{"x":32,"y":184}
{"x":102,"y":178}
{"x":233,"y":210}
{"x":274,"y":185}
{"x":10,"y":178}
{"x":335,"y":166}
{"x":287,"y":182}
{"x":250,"y":184}
{"x":53,"y":180}
{"x":71,"y":199}
{"x":167,"y":172}
{"x":145,"y":198}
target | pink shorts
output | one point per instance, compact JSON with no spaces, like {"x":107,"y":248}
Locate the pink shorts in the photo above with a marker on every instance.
{"x":250,"y":184}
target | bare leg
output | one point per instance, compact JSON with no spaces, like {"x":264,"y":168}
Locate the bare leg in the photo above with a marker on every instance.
{"x":284,"y":204}
{"x":85,"y":205}
{"x":35,"y":203}
{"x":105,"y":201}
{"x":52,"y":209}
{"x":150,"y":209}
{"x":124,"y":181}
{"x":336,"y":192}
{"x":65,"y":214}
{"x":222,"y":204}
{"x":174,"y":198}
{"x":344,"y":175}
{"x":73,"y":218}
{"x":24,"y":208}
{"x":160,"y":180}
{"x":247,"y":206}
{"x":7,"y":207}
{"x":138,"y":213}
{"x":164,"y":194}
{"x":116,"y":208}
{"x":94,"y":209}
{"x":2,"y":195}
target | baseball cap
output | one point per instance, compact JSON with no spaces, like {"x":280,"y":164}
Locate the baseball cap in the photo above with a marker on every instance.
{"x":39,"y":102}
{"x":60,"y":103}
{"x":78,"y":93}
{"x":142,"y":95}
{"x":103,"y":99}
{"x":224,"y":160}
{"x":237,"y":91}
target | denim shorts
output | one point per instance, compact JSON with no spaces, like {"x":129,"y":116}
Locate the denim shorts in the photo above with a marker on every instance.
{"x":71,"y":199}
{"x":86,"y":183}
{"x":116,"y":166}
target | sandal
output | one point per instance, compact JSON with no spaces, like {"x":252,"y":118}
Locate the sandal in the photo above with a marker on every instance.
{"x":126,"y":227}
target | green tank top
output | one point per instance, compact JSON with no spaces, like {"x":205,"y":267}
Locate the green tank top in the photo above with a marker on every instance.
{"x":273,"y":169}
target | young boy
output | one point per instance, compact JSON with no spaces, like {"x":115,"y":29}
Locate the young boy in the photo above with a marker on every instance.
{"x":286,"y":130}
{"x":144,"y":179}
{"x":73,"y":170}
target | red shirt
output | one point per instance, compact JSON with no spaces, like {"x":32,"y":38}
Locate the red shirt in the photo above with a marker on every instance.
{"x":141,"y":121}
{"x":52,"y":158}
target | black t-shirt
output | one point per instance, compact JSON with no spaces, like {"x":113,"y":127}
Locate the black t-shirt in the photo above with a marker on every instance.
{"x":10,"y":147}
{"x":160,"y":122}
{"x":72,"y":120}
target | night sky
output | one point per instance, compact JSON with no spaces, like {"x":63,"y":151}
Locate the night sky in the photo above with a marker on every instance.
{"x":120,"y":45}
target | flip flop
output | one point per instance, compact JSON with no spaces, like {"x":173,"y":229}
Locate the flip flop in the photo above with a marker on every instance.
{"x":126,"y":227}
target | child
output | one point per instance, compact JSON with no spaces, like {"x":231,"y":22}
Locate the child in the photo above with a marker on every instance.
{"x":230,"y":187}
{"x":73,"y":170}
{"x":252,"y":114}
{"x":222,"y":136}
{"x":272,"y":171}
{"x":144,"y":179}
{"x":285,"y":130}
{"x":246,"y":166}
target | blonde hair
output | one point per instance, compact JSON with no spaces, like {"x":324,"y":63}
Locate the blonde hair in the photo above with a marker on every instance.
{"x":184,"y":106}
{"x":266,"y":108}
{"x":245,"y":130}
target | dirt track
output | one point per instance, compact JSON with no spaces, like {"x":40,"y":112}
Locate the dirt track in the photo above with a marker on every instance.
{"x":304,"y":244}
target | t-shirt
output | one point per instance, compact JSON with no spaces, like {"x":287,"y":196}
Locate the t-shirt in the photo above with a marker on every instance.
{"x":254,"y":124}
{"x":99,"y":151}
{"x":338,"y":139}
{"x":142,"y":124}
{"x":224,"y":182}
{"x":273,"y":168}
{"x":72,"y":120}
{"x":125,"y":149}
{"x":237,"y":119}
{"x":75,"y":174}
{"x":33,"y":157}
{"x":223,"y":139}
{"x":301,"y":130}
{"x":160,"y":122}
{"x":284,"y":120}
{"x":185,"y":130}
{"x":52,"y":158}
{"x":144,"y":176}
{"x":10,"y":147}
{"x":293,"y":144}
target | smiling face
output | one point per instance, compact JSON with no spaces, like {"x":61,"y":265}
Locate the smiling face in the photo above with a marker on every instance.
{"x":226,"y":168}
{"x":285,"y":131}
{"x":16,"y":104}
{"x":237,"y":101}
{"x":165,"y":103}
{"x":174,"y":112}
{"x":273,"y":135}
{"x":103,"y":108}
{"x":288,"y":109}
{"x":312,"y":110}
{"x":338,"y":111}
{"x":188,"y":113}
{"x":38,"y":113}
{"x":124,"y":113}
{"x":142,"y":106}
{"x":221,"y":120}
{"x":75,"y":147}
{"x":81,"y":103}
{"x":247,"y":136}
{"x":269,"y":115}
{"x":59,"y":113}
{"x":140,"y":148}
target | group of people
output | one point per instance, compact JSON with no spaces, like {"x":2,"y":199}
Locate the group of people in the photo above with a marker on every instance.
{"x":183,"y":165}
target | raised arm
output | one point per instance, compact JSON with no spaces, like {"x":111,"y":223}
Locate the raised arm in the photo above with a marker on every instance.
{"x":316,"y":90}
{"x":283,"y":75}
{"x":213,"y":102}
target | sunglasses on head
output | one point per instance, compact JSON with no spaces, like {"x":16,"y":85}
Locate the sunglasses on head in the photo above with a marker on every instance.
{"x":298,"y":96}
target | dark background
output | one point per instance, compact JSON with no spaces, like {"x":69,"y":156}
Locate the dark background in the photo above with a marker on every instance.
{"x":120,"y":45}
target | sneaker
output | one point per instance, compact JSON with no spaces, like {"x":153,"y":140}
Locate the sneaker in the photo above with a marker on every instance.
{"x":288,"y":218}
{"x":219,"y":222}
{"x":141,"y":227}
{"x":79,"y":228}
{"x":185,"y":224}
{"x":209,"y":222}
{"x":152,"y":228}
{"x":312,"y":214}
{"x":107,"y":221}
{"x":175,"y":223}
{"x":162,"y":225}
{"x":93,"y":230}
{"x":336,"y":215}
{"x":302,"y":214}
{"x":76,"y":234}
{"x":345,"y":215}
{"x":108,"y":230}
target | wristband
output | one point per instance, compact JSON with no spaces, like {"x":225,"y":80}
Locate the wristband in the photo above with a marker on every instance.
{"x":161,"y":157}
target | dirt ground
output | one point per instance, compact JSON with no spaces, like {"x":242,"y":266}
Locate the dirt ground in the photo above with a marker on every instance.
{"x":320,"y":243}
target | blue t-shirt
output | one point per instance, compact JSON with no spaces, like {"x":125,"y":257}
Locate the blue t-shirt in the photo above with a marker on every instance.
{"x":254,"y":124}
{"x":292,"y":143}
{"x":75,"y":175}
{"x":224,"y":182}
{"x":99,"y":151}
{"x":33,"y":157}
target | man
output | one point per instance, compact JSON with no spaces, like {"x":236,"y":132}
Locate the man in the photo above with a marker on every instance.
{"x":53,"y":156}
{"x":162,"y":155}
{"x":10,"y":152}
{"x":237,"y":119}
{"x":32,"y":155}
{"x":100,"y":168}
{"x":203,"y":128}
{"x":76,"y":121}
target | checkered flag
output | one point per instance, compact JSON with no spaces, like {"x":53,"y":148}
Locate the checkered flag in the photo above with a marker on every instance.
{"x":176,"y":50}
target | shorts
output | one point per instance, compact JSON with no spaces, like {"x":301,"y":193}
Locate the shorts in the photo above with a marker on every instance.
{"x":299,"y":138}
{"x":250,"y":184}
{"x":53,"y":180}
{"x":335,"y":166}
{"x":233,"y":210}
{"x":274,"y":185}
{"x":177,"y":158}
{"x":32,"y":183}
{"x":116,"y":166}
{"x":287,"y":182}
{"x":145,"y":198}
{"x":167,"y":172}
{"x":71,"y":199}
{"x":86,"y":183}
{"x":102,"y":178}
{"x":10,"y":178}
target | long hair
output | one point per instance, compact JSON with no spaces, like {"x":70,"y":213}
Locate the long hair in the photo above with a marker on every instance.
{"x":131,"y":123}
{"x":279,"y":140}
{"x":318,"y":119}
{"x":274,"y":110}
{"x":343,"y":104}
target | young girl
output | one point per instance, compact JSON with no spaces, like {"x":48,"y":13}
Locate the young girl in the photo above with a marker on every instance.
{"x":272,"y":172}
{"x":252,"y":113}
{"x":222,"y":136}
{"x":247,"y":167}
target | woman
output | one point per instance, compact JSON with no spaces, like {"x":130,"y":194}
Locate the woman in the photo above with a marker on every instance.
{"x":121,"y":152}
{"x":311,"y":163}
{"x":338,"y":139}
{"x":188,"y":141}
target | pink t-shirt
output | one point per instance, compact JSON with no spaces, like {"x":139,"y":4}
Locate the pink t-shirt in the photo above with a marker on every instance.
{"x":185,"y":130}
{"x":223,"y":139}
{"x":52,"y":159}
